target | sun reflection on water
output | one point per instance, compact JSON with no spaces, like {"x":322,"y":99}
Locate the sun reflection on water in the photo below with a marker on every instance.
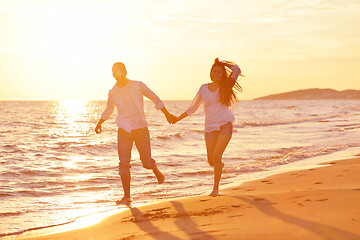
{"x":73,"y":162}
{"x":72,"y":111}
{"x":71,"y":118}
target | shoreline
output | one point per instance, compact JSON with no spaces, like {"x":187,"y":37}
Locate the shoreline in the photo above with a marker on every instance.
{"x":284,"y":202}
{"x":93,"y":218}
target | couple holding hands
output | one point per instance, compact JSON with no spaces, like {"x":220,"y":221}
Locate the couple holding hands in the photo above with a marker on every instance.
{"x":218,"y":96}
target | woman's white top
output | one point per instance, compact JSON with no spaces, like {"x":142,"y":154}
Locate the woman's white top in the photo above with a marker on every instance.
{"x":129,"y":103}
{"x":216,"y":113}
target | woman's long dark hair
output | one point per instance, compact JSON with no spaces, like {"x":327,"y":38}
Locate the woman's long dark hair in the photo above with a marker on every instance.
{"x":229,"y":88}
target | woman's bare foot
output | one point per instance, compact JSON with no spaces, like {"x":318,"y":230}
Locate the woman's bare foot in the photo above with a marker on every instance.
{"x":159,"y":175}
{"x":214,"y":193}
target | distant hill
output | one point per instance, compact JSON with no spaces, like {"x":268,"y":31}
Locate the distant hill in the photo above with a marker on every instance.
{"x":314,"y":93}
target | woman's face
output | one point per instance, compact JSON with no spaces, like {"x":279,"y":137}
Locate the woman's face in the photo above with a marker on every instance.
{"x":217,"y":73}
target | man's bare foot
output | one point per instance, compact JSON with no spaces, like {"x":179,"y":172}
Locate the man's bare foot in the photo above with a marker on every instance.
{"x":214,"y":193}
{"x":124,"y":201}
{"x":159,"y":175}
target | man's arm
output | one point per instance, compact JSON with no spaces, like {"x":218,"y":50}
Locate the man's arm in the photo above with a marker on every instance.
{"x":169,"y":117}
{"x":98,"y":126}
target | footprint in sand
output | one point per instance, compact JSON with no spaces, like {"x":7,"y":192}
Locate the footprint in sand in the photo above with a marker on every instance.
{"x":298,"y":175}
{"x":160,"y":209}
{"x":267,"y":182}
{"x":322,"y":200}
{"x":297,"y":197}
{"x":258,"y":199}
{"x":204,"y":225}
{"x":235,"y":206}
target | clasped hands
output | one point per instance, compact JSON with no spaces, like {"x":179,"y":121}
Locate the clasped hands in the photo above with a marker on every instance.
{"x":171,"y":118}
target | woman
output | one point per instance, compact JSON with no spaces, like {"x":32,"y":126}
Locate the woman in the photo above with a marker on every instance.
{"x":127,"y":97}
{"x":218,"y":98}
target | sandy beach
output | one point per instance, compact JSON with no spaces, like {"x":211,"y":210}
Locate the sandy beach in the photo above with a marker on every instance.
{"x":317,"y":203}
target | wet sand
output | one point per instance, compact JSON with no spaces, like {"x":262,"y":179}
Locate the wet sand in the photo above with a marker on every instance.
{"x":318,"y":203}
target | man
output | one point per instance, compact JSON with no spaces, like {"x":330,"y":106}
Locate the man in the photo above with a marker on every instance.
{"x":127,"y":97}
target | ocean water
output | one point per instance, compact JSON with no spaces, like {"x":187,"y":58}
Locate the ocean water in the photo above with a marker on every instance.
{"x":55,"y":169}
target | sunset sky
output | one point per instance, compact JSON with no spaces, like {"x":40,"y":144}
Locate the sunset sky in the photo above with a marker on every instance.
{"x":64,"y":49}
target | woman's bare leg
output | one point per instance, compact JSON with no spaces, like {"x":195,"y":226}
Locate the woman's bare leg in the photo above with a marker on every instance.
{"x":210,"y":146}
{"x":219,"y":148}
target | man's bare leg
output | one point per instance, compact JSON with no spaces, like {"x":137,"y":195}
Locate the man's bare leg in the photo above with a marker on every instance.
{"x":125,"y":180}
{"x":159,"y":175}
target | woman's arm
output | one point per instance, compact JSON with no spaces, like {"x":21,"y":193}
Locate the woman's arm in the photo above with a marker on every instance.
{"x":182,"y":116}
{"x":235,"y":70}
{"x":194,"y":106}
